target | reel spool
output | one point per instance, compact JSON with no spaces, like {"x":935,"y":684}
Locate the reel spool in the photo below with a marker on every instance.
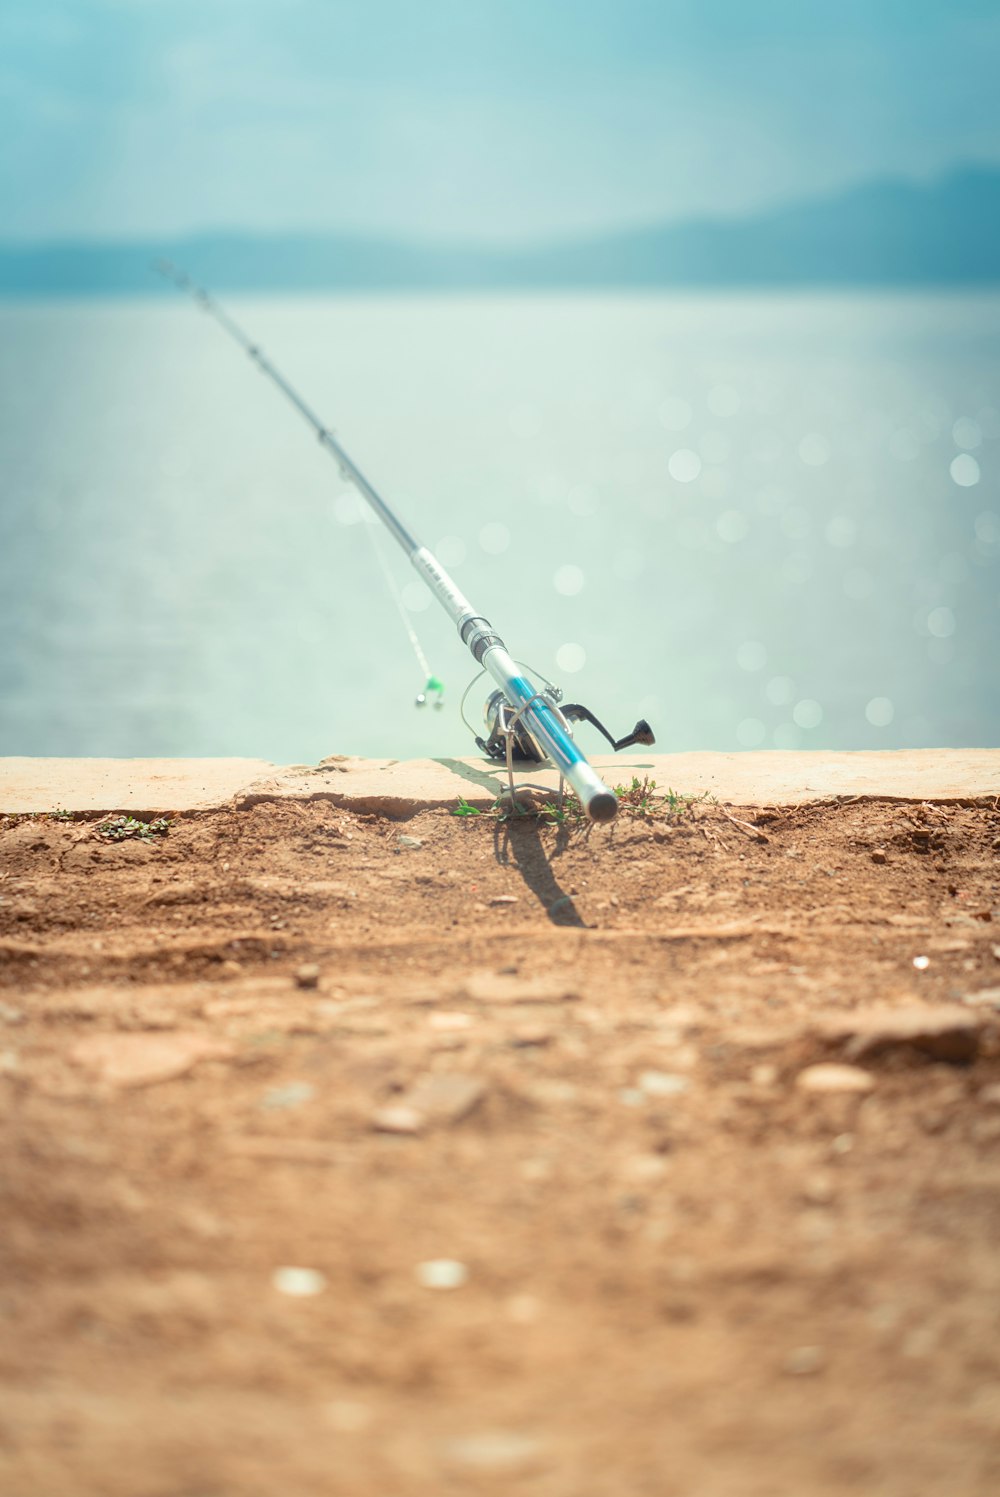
{"x":501,"y":728}
{"x":498,"y":715}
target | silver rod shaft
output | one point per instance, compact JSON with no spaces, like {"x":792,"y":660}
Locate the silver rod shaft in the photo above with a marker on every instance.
{"x":476,"y":632}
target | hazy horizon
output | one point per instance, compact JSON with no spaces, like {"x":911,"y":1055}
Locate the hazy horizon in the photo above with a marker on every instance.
{"x":426,"y":238}
{"x":889,"y":232}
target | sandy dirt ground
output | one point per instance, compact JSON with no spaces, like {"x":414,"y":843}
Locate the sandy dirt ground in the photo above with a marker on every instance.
{"x":351,"y":1156}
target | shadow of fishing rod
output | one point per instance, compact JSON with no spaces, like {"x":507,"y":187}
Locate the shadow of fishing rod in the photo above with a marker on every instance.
{"x":518,"y":844}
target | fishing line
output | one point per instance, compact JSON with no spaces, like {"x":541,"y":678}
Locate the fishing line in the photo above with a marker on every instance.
{"x":432,"y":684}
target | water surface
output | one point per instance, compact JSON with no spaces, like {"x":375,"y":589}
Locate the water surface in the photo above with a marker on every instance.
{"x":757,"y":521}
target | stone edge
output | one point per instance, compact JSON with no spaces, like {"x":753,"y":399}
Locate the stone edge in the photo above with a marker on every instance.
{"x":399,"y":789}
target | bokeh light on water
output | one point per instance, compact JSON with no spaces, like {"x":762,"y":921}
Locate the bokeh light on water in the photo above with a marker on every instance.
{"x":770,"y":521}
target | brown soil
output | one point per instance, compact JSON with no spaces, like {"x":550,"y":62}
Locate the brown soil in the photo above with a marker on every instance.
{"x":684,"y":1272}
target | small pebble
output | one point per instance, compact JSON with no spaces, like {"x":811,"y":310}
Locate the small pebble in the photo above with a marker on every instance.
{"x":523,"y":1309}
{"x":879,"y":855}
{"x":292,"y":1095}
{"x":525,"y":1036}
{"x":804,"y":1361}
{"x":945,"y":1031}
{"x":504,"y":899}
{"x":985,"y":998}
{"x":920,"y":1342}
{"x":921,"y":963}
{"x":307,"y":976}
{"x":501,"y":1451}
{"x":348,"y":1417}
{"x":442,"y":1273}
{"x":397,"y":1119}
{"x":818,"y":1189}
{"x":644,"y":1167}
{"x":300,"y":1283}
{"x":832,"y":1077}
{"x":885,"y":1317}
{"x":662,"y":1084}
{"x":145,"y":1059}
{"x":410,"y":842}
{"x":445,"y":1097}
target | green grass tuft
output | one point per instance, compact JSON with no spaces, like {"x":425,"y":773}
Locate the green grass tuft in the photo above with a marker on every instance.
{"x":121,"y":828}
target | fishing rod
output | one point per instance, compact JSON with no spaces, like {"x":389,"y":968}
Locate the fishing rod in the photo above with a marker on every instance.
{"x":523,"y":722}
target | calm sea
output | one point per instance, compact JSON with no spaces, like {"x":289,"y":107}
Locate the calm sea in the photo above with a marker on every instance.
{"x":768,"y":521}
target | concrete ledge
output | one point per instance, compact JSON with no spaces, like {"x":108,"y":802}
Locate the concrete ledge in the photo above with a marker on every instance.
{"x":400,"y":788}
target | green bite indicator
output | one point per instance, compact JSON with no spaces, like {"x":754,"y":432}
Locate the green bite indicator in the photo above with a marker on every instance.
{"x":432,"y":688}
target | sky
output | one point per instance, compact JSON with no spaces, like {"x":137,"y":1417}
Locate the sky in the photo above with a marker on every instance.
{"x":479,"y":121}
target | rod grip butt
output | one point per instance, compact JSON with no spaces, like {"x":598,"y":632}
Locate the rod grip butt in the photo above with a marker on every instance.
{"x":603,"y":806}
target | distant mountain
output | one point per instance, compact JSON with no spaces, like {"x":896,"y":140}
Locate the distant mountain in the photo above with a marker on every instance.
{"x":891,"y":233}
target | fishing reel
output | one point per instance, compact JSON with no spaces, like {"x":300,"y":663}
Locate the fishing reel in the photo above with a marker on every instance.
{"x":503,"y":729}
